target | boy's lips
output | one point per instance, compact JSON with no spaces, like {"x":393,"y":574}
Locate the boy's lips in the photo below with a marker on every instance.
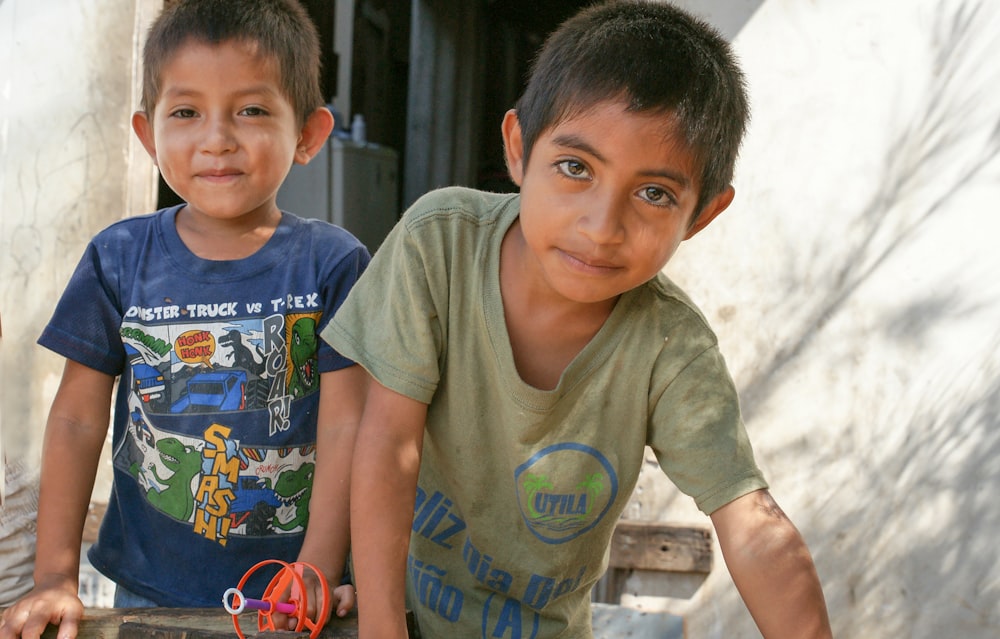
{"x":219,"y":175}
{"x":582,"y":260}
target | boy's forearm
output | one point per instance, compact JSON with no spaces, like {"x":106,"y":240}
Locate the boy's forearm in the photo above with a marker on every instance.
{"x":773,"y":570}
{"x":326,"y":542}
{"x":783,"y":593}
{"x":327,"y":538}
{"x":380,"y":543}
{"x":383,"y":488}
{"x":69,"y":467}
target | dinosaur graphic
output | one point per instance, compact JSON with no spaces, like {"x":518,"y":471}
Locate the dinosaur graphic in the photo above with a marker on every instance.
{"x":294,"y":488}
{"x":302,"y":354}
{"x":243,"y":357}
{"x":177,"y":499}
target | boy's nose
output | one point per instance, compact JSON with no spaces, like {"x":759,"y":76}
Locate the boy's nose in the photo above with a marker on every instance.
{"x":601,"y":222}
{"x":218,"y":136}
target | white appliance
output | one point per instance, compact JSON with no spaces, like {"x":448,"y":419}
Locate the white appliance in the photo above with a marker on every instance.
{"x":353,"y":185}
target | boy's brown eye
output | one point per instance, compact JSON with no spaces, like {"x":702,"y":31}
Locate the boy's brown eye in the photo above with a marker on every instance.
{"x":656,"y":196}
{"x":572,"y":168}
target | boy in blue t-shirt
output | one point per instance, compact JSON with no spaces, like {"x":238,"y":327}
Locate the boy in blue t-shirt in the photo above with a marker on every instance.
{"x":233,"y":422}
{"x":525,"y":348}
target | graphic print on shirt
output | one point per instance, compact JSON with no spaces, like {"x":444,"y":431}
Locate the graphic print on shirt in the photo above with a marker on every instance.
{"x":221,"y":369}
{"x":563,"y":491}
{"x":558,"y":505}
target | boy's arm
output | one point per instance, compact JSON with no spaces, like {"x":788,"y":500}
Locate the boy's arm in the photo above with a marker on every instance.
{"x":772,"y":568}
{"x":383,"y":490}
{"x":74,"y":435}
{"x":327,"y":539}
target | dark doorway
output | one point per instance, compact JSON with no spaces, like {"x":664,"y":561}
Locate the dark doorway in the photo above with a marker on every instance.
{"x":509,"y":34}
{"x":515,"y":29}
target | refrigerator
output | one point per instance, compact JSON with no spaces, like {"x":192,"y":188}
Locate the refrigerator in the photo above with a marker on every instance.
{"x":355,"y":186}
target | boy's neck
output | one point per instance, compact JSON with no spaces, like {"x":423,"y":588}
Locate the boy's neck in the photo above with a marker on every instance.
{"x":225,"y":239}
{"x":546,"y":331}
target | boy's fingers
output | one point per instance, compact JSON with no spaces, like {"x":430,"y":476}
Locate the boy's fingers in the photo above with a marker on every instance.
{"x":68,"y":628}
{"x":345,"y":597}
{"x":34,"y":626}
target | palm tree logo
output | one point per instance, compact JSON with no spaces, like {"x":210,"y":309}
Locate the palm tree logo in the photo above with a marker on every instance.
{"x":533,"y":484}
{"x":594,"y":485}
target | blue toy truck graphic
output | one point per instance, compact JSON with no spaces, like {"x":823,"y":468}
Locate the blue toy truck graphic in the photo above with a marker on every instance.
{"x":147,"y":382}
{"x":213,"y":391}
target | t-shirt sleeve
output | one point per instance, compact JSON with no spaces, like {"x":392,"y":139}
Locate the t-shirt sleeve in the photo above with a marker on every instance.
{"x":390,"y":321}
{"x":699,"y":437}
{"x":85,"y":324}
{"x":340,"y":279}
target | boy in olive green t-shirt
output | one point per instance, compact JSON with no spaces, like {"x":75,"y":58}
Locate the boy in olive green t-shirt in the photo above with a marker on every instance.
{"x":524,"y":350}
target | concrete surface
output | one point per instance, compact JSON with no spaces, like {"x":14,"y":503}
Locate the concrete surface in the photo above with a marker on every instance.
{"x":854,"y":284}
{"x":620,"y":622}
{"x":68,"y":166}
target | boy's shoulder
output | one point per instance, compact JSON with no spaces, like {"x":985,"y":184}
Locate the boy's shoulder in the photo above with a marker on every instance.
{"x":134,"y":225}
{"x":320,"y":230}
{"x":482,"y":207}
{"x":668,"y":306}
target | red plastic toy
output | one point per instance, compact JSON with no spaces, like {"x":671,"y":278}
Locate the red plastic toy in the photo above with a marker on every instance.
{"x":288,"y":580}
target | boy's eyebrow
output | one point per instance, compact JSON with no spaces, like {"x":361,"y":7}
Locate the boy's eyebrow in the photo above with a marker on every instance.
{"x":260,"y":89}
{"x":574,"y":141}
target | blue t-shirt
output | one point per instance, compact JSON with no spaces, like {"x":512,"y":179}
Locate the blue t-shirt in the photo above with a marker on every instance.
{"x":214,"y":436}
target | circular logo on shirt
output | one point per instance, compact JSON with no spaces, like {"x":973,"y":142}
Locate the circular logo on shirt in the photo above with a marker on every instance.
{"x":564,"y":490}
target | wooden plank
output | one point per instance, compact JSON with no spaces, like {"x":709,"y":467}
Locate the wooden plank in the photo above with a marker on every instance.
{"x":187,"y":623}
{"x":195,"y":623}
{"x":135,"y":630}
{"x":646,"y":545}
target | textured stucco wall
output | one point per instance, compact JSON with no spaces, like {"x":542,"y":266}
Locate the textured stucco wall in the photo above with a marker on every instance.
{"x":854,"y":287}
{"x":68,"y":167}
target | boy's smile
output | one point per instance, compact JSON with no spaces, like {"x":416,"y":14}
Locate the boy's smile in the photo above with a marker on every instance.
{"x":606,"y":198}
{"x":223,"y":134}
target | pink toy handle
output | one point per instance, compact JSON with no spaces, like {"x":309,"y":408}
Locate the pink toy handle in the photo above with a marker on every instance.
{"x":244,"y":603}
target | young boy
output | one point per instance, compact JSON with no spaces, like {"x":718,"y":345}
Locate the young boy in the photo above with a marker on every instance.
{"x":525,"y":349}
{"x":233,"y":423}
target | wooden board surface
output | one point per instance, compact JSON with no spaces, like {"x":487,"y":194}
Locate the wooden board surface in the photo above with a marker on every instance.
{"x":187,"y":623}
{"x":645,"y":545}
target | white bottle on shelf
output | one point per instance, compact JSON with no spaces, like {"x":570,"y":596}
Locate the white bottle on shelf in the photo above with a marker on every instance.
{"x":358,"y":133}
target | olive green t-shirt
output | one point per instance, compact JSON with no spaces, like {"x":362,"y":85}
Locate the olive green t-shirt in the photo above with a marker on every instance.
{"x":520,"y":488}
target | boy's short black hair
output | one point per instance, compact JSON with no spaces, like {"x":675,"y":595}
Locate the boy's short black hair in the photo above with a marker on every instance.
{"x":281,"y":29}
{"x":655,"y":58}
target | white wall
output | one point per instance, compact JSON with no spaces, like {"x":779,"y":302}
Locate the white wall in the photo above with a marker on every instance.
{"x":853,"y":282}
{"x":69,"y":166}
{"x":854,"y":285}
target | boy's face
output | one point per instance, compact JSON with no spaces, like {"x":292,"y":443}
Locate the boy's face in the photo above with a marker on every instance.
{"x":606,"y":199}
{"x":223,"y":134}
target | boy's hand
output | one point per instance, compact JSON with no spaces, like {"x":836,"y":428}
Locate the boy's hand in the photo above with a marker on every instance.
{"x":343,"y":599}
{"x":53,"y":600}
{"x":341,"y":602}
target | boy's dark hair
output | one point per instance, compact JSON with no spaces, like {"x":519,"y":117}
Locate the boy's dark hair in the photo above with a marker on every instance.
{"x":281,"y":29}
{"x":655,"y":58}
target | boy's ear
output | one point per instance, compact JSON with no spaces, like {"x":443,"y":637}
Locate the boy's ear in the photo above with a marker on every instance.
{"x":314,"y":135}
{"x":144,"y":131}
{"x":712,"y":210}
{"x":513,"y":146}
